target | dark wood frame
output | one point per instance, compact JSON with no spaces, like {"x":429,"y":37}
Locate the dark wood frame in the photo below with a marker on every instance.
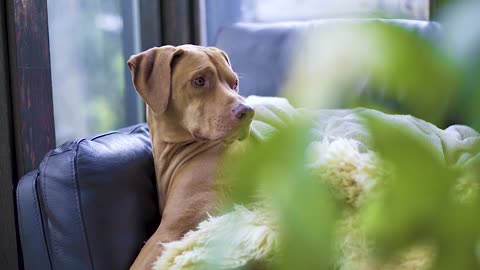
{"x":179,"y":22}
{"x":8,"y":245}
{"x":28,"y":107}
{"x":31,"y":82}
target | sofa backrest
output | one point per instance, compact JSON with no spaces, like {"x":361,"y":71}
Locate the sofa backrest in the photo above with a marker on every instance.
{"x":91,"y":204}
{"x":261,"y":53}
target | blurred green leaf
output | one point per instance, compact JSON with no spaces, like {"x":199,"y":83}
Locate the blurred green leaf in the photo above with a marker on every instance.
{"x":306,"y":210}
{"x":419,"y":203}
{"x":416,"y":188}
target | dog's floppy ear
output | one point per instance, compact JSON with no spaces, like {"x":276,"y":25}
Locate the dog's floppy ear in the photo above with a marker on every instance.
{"x":224,"y":54}
{"x":151,"y":74}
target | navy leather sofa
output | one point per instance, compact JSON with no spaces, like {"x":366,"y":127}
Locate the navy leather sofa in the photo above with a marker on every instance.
{"x":92,"y":202}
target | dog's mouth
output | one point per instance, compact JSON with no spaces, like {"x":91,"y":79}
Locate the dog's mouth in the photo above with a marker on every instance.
{"x":239,"y":133}
{"x":198,"y":136}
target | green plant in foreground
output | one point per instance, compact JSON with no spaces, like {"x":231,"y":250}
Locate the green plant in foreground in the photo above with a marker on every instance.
{"x":425,"y":200}
{"x":277,"y":170}
{"x":422,"y":203}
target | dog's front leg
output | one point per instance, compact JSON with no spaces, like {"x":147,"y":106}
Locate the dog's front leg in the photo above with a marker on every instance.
{"x":192,"y":196}
{"x":149,"y":253}
{"x":178,"y":218}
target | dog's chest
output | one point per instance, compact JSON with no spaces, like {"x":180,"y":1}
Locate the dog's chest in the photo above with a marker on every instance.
{"x":170,"y":159}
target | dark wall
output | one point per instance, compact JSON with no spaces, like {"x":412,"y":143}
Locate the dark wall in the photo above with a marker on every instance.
{"x":8,"y":242}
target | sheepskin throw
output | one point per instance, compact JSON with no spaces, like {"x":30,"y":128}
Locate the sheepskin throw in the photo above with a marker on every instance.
{"x":341,"y":154}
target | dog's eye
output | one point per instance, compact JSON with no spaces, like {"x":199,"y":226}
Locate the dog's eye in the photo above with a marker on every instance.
{"x":199,"y":81}
{"x":235,"y":85}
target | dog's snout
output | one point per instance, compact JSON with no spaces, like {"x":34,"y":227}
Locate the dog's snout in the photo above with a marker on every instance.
{"x":243,"y":112}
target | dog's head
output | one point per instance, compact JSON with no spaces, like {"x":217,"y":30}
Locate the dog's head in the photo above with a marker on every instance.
{"x":193,"y":90}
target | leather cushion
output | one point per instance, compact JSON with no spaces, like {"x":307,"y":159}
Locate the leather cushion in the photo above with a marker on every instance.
{"x":97,"y":201}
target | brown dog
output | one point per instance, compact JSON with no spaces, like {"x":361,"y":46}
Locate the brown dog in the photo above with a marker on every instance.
{"x":193,"y":111}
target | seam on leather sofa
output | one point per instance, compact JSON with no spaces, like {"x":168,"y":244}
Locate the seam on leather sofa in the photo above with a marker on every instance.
{"x":51,"y":238}
{"x":48,"y":235}
{"x":131,"y":131}
{"x":37,"y":216}
{"x":20,"y":220}
{"x":79,"y":202}
{"x":78,"y":194}
{"x":71,"y":149}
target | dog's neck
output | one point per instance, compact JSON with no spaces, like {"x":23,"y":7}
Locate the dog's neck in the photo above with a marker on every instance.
{"x":169,"y":129}
{"x":172,"y":148}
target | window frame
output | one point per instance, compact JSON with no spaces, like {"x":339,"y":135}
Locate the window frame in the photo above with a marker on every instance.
{"x":9,"y":259}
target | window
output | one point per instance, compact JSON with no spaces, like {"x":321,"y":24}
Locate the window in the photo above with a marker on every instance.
{"x":221,"y":12}
{"x":90,"y":42}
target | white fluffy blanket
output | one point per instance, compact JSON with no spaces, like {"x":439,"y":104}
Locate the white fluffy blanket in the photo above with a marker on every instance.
{"x":340,"y":152}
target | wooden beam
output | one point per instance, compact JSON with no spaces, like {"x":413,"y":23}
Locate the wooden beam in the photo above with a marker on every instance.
{"x":31,"y":82}
{"x":26,"y":109}
{"x":9,"y":259}
{"x":150,"y":24}
{"x":178,"y":19}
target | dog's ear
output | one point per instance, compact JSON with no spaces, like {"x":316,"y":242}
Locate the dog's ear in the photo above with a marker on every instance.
{"x":224,"y":54}
{"x":152,"y":73}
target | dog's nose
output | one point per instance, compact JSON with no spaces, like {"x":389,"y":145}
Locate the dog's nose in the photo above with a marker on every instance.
{"x":243,"y":112}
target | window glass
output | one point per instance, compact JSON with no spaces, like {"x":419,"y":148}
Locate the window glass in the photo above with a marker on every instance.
{"x":220,"y":12}
{"x":90,"y":42}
